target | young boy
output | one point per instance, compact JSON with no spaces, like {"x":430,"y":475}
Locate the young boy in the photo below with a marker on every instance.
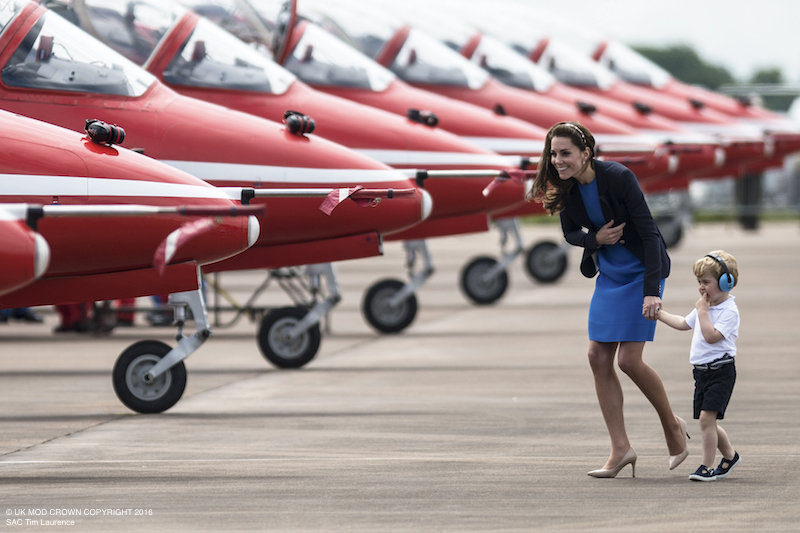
{"x":715,"y":321}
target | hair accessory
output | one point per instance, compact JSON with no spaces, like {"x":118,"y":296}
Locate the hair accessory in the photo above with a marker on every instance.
{"x":580,"y":131}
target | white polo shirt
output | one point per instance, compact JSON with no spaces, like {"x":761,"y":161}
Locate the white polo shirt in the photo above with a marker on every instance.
{"x":725,"y":318}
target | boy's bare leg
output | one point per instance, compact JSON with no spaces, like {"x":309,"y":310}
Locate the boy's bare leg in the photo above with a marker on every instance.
{"x":724,"y":444}
{"x":709,"y":430}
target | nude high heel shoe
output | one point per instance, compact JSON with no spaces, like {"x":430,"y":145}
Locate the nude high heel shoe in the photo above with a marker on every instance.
{"x":628,"y":458}
{"x":675,"y":460}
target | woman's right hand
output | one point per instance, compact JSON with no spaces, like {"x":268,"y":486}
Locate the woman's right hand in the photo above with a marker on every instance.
{"x":609,"y":234}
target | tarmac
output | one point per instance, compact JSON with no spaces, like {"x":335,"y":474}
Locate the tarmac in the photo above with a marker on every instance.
{"x":475,"y":418}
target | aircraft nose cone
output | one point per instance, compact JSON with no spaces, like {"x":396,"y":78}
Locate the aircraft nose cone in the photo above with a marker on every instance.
{"x":719,"y":157}
{"x":41,"y":255}
{"x":253,"y":230}
{"x":528,"y":188}
{"x":427,"y":204}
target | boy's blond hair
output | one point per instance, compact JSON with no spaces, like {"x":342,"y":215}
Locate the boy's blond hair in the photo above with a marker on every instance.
{"x":707,"y":264}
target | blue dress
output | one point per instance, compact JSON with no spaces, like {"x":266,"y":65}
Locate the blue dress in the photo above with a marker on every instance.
{"x":615,"y":314}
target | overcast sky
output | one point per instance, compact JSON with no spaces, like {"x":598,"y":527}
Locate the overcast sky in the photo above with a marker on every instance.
{"x":740,"y":35}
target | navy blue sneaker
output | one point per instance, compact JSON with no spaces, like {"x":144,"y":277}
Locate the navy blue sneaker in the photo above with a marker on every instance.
{"x":722,"y":470}
{"x":703,"y":473}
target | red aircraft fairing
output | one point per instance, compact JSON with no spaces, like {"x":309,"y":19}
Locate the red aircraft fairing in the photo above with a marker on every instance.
{"x":25,"y":253}
{"x":55,"y":72}
{"x":96,"y":257}
{"x":201,"y":60}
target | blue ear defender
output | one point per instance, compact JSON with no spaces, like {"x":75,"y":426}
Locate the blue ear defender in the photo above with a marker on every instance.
{"x":725,"y":280}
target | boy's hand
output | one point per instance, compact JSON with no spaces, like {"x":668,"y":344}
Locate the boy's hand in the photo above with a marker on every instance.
{"x":702,"y":303}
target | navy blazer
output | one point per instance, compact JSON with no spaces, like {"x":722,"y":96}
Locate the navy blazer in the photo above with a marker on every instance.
{"x":622,"y":200}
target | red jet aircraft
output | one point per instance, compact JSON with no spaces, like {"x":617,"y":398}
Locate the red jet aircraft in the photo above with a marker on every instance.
{"x":54,"y":72}
{"x":335,"y":70}
{"x":199,"y":59}
{"x":784,"y":134}
{"x":86,"y":221}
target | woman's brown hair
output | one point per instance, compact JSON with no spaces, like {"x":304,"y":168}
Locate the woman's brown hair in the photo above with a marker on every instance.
{"x":548,"y":188}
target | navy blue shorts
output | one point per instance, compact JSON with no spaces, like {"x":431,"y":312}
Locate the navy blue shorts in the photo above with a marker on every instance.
{"x":713,"y":389}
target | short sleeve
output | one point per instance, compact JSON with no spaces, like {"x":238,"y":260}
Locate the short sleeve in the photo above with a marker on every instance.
{"x":691,"y":319}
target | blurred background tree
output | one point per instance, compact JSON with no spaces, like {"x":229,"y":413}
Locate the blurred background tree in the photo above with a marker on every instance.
{"x":685,"y":65}
{"x":774,"y":76}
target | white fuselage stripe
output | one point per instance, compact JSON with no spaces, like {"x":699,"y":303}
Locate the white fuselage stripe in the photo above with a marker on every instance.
{"x":257,"y":174}
{"x":508,"y":145}
{"x":418,"y":158}
{"x":36,"y":185}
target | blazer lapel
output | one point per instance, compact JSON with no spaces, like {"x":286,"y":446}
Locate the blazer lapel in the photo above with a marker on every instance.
{"x":603,"y":192}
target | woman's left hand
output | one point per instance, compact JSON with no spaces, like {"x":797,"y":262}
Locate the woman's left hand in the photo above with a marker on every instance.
{"x":651,"y":307}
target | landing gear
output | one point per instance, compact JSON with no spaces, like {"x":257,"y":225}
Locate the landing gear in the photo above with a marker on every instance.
{"x":390,"y":305}
{"x":388,"y":308}
{"x":672,"y":213}
{"x":484,"y":280}
{"x":283,"y":339}
{"x":288,"y":337}
{"x":149,"y":376}
{"x":140,"y":392}
{"x":671,"y":229}
{"x":546,"y":262}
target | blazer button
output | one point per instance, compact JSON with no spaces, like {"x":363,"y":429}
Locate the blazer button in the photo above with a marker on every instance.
{"x":622,"y":241}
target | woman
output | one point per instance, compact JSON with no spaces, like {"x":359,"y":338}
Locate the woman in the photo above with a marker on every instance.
{"x":624,"y":245}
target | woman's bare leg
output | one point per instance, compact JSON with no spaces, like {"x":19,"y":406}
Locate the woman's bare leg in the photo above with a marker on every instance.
{"x":609,"y":395}
{"x":649,"y":382}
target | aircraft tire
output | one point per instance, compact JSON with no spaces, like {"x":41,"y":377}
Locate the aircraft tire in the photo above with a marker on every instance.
{"x":671,"y":230}
{"x":131,"y":387}
{"x":283,"y":352}
{"x":546,"y":262}
{"x":478,"y":289}
{"x":382,"y":317}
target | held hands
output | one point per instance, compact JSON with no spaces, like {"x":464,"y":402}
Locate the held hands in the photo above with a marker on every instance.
{"x":651,"y":307}
{"x":608,"y":234}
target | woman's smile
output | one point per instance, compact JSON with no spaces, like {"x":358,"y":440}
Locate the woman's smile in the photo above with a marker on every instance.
{"x":566,"y":158}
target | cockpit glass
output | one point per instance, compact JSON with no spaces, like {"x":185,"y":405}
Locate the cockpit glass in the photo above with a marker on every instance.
{"x":132,"y":28}
{"x":510,"y":67}
{"x":424,"y":60}
{"x":212,"y":57}
{"x":56,"y":55}
{"x":632,"y":67}
{"x":571,"y":67}
{"x":321,"y":59}
{"x":240,"y":19}
{"x":8,"y":8}
{"x":353,"y":26}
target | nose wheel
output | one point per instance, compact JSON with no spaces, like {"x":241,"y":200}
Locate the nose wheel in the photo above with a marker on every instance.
{"x":384,"y":312}
{"x":134,"y":385}
{"x":484,"y":281}
{"x":546,"y":262}
{"x":280,"y":345}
